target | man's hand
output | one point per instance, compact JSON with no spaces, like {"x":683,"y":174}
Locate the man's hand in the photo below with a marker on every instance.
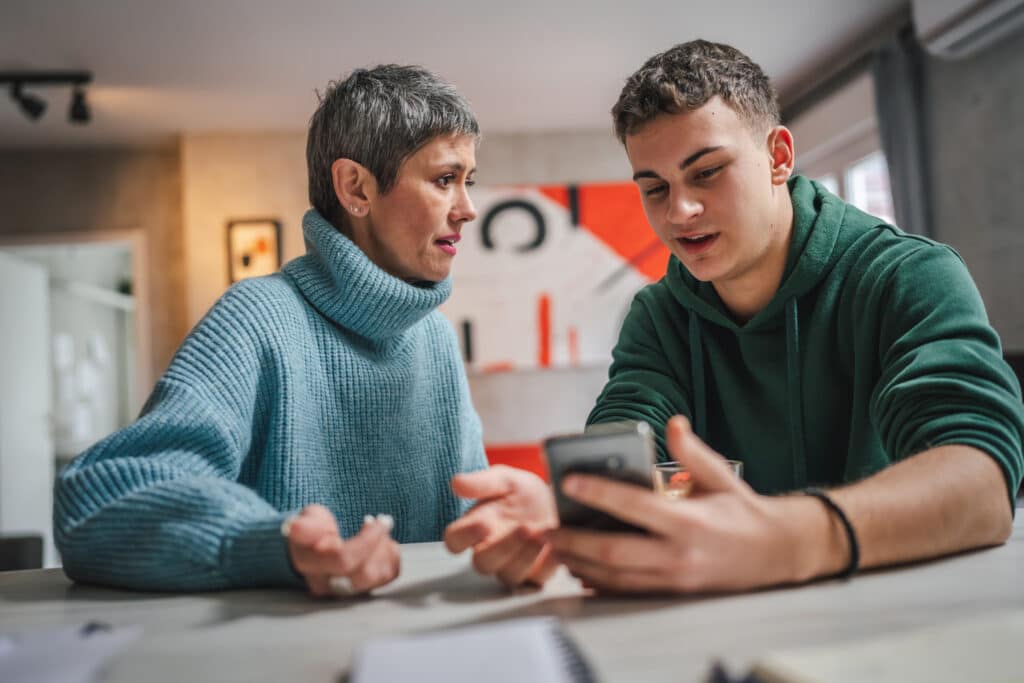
{"x":723,"y":537}
{"x":505,"y":528}
{"x":332,"y":566}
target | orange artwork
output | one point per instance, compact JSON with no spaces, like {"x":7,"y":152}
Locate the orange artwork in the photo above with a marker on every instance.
{"x":545,"y":274}
{"x":254,"y":248}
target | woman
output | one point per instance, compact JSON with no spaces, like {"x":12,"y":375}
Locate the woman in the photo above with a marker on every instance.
{"x":308,"y":401}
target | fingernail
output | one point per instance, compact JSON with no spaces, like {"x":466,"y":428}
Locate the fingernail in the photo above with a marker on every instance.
{"x":387,"y":520}
{"x":368,"y":519}
{"x":340,"y":586}
{"x":571,"y":485}
{"x":286,"y":525}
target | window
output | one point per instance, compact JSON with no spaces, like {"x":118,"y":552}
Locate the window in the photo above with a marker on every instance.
{"x":867,"y":186}
{"x":843,"y":150}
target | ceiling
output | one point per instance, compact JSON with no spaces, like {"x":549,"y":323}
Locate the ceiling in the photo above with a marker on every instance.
{"x":163,"y":68}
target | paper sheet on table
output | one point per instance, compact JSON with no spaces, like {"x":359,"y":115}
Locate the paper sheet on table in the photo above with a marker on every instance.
{"x":66,"y":654}
{"x":535,"y":650}
{"x":980,"y":650}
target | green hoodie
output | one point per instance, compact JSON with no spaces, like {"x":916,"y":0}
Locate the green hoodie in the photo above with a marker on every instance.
{"x":875,"y":347}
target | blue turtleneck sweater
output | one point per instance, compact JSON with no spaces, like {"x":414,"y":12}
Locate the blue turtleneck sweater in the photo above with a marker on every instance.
{"x":330,"y":382}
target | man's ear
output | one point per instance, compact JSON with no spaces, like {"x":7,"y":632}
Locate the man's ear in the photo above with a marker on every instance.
{"x":353,"y":186}
{"x":780,"y":149}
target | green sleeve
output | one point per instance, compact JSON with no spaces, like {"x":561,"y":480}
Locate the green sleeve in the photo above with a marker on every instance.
{"x":643,"y":384}
{"x":943,"y":378}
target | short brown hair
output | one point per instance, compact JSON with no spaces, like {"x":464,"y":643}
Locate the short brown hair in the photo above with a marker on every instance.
{"x":686,"y":77}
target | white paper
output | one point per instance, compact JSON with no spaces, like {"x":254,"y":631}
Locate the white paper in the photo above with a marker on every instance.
{"x":514,"y":651}
{"x":67,"y":654}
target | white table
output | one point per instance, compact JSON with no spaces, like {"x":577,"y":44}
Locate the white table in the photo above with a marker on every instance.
{"x":286,"y":636}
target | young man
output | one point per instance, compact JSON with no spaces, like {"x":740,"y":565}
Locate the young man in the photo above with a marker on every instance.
{"x":815,"y":343}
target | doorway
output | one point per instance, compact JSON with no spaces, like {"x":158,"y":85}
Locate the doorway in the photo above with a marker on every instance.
{"x":89,"y":333}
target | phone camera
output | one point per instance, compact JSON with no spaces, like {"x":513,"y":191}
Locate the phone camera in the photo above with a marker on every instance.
{"x":614,"y":463}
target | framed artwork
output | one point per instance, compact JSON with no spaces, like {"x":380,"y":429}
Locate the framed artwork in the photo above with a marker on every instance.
{"x":254,"y":248}
{"x":546,"y":273}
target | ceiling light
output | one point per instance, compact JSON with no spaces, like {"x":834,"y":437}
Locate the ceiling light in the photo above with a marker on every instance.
{"x":79,"y":111}
{"x":33,"y":106}
{"x":30,"y":105}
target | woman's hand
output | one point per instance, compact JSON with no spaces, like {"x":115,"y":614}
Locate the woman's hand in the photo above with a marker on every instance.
{"x":333,"y":566}
{"x":504,"y":529}
{"x":723,"y":537}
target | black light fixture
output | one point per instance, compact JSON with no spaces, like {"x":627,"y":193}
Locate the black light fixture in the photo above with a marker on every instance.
{"x":79,"y":111}
{"x":34,"y":106}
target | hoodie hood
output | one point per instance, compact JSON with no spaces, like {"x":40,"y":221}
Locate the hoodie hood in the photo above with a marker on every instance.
{"x":812,"y":252}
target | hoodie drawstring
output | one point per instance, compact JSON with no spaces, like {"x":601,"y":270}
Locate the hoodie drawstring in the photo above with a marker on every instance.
{"x":700,"y":415}
{"x":796,"y":411}
{"x":794,"y":387}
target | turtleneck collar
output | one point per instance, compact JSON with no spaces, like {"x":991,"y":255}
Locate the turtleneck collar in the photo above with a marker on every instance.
{"x":341,"y":282}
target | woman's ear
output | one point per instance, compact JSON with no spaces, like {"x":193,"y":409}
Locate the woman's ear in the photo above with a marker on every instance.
{"x":780,"y":147}
{"x":352,"y":186}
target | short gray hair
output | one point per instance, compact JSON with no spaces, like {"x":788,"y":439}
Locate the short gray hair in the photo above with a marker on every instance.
{"x":379,"y":117}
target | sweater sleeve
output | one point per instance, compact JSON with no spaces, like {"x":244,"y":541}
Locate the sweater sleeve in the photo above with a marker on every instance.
{"x":643,"y":383}
{"x":943,"y":378}
{"x":157,"y":505}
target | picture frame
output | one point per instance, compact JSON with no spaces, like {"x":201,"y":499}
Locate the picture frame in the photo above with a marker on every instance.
{"x":254,"y":247}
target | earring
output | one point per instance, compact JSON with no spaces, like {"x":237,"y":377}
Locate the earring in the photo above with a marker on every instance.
{"x":355,"y":209}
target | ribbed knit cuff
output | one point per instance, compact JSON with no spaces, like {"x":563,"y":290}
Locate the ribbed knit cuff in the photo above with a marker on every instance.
{"x":257,"y":555}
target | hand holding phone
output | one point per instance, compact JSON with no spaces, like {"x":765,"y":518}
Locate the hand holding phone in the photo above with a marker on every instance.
{"x":623,"y":451}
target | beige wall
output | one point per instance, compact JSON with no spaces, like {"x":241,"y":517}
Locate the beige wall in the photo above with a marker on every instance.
{"x":551,"y":157}
{"x":263,"y":175}
{"x":48,"y":192}
{"x":232,"y":176}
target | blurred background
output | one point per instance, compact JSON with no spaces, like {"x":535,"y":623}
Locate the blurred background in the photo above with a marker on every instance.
{"x":153,"y":152}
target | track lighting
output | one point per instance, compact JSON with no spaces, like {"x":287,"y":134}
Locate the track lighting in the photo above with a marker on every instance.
{"x":34,"y":106}
{"x":79,"y":111}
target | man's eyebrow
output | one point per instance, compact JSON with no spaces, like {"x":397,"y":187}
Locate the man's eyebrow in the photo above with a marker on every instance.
{"x":686,"y":162}
{"x":697,"y":155}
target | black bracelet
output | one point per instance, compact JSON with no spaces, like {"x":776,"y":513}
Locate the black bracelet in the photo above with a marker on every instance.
{"x":851,"y":535}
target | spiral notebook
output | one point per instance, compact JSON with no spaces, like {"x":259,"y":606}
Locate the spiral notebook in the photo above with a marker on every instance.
{"x":535,"y":649}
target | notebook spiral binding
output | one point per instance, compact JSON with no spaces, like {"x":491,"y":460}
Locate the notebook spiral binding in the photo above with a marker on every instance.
{"x":579,"y":669}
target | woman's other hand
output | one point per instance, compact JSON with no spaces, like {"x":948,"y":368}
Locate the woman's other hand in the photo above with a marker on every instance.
{"x":335,"y":566}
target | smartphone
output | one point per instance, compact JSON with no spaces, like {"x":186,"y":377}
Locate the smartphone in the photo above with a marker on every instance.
{"x":623,"y":451}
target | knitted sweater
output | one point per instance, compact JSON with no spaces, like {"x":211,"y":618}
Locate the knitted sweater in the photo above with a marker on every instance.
{"x":330,"y":382}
